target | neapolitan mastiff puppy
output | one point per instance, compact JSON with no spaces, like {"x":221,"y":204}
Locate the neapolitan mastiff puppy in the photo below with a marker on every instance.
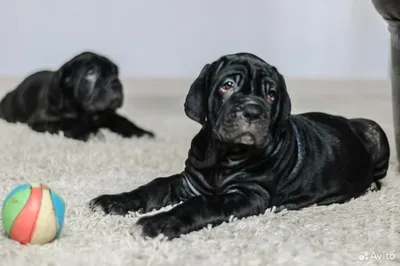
{"x":78,"y":99}
{"x":251,"y":154}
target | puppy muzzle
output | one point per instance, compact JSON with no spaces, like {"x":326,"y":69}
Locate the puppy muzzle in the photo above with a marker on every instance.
{"x":107,"y":95}
{"x":114,"y":86}
{"x":242,"y":121}
{"x":113,"y":83}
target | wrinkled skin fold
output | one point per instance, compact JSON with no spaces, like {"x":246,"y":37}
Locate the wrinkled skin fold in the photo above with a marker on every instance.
{"x":78,"y":99}
{"x":252,"y":154}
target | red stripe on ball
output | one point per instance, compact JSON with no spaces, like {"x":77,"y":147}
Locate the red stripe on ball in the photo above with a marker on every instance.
{"x":25,"y":223}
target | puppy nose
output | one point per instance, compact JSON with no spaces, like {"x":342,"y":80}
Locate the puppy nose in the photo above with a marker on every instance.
{"x":114,"y":83}
{"x":251,"y":111}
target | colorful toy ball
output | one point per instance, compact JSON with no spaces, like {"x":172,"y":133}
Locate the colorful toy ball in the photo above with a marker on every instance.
{"x":33,"y":214}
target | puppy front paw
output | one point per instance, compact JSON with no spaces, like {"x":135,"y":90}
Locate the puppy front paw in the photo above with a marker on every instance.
{"x":117,"y":204}
{"x":148,"y":134}
{"x":129,"y":133}
{"x":162,"y":223}
{"x":138,"y":132}
{"x":77,"y":135}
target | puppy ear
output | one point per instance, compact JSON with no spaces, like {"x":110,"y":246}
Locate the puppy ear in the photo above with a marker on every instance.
{"x":55,"y":95}
{"x":196,"y":100}
{"x":62,"y":79}
{"x":65,"y":71}
{"x":284,"y":105}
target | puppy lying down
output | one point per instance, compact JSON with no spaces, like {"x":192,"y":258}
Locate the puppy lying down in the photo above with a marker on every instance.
{"x":78,"y":99}
{"x":252,"y":154}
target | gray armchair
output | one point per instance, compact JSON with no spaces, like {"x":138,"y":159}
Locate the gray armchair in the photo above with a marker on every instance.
{"x":390,"y":12}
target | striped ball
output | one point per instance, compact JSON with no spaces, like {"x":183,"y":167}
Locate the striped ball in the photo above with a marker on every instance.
{"x":33,"y":214}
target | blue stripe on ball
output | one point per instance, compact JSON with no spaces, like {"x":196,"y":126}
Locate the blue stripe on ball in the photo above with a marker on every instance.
{"x":59,"y":209}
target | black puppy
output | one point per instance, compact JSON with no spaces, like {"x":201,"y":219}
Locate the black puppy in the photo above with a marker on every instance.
{"x":251,"y":154}
{"x":78,"y":99}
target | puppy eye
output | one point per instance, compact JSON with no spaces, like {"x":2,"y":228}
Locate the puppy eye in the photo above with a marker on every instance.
{"x":227,"y":87}
{"x":91,"y":71}
{"x":271,"y":95}
{"x":67,"y":79}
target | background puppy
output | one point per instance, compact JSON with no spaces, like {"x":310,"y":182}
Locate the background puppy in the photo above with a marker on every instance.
{"x":252,"y":154}
{"x":78,"y":99}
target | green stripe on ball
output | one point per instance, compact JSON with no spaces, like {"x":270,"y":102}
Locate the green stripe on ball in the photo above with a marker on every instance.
{"x":13,"y":206}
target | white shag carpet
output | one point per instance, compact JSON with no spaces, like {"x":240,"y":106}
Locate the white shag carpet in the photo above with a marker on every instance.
{"x":365,"y":231}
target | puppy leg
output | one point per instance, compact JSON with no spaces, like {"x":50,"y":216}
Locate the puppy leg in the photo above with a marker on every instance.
{"x":376,"y":142}
{"x":50,"y":127}
{"x":160,"y":192}
{"x":71,"y":129}
{"x":122,"y":126}
{"x":78,"y":133}
{"x":197,"y":212}
{"x":42,"y":121}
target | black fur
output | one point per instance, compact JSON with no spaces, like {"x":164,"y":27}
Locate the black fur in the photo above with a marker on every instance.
{"x":78,"y":99}
{"x":252,"y":154}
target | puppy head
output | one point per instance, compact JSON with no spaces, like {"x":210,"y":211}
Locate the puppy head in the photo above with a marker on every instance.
{"x":92,"y":81}
{"x":242,"y":99}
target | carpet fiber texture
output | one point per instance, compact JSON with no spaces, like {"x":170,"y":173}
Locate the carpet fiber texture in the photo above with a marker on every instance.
{"x":364,"y":231}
